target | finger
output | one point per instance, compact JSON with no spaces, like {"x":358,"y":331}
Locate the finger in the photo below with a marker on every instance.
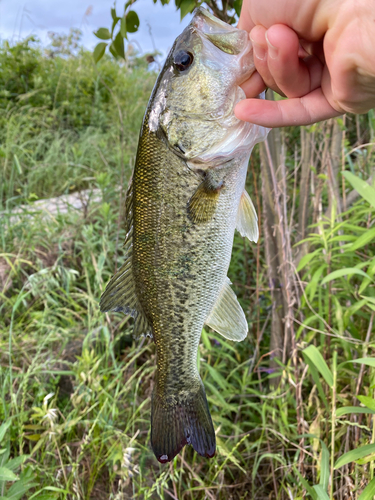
{"x":313,"y":49}
{"x":254,"y":85}
{"x":294,"y":76}
{"x":311,"y":108}
{"x":245,"y":22}
{"x":260,"y":49}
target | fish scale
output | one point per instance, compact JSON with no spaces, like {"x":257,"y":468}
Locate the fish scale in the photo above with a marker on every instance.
{"x":184,"y":202}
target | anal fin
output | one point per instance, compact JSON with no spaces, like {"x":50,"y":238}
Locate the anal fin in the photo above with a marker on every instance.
{"x":227,"y":316}
{"x":120,"y":296}
{"x":247,"y":220}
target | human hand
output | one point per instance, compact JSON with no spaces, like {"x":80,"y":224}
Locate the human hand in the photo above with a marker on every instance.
{"x":319,"y":54}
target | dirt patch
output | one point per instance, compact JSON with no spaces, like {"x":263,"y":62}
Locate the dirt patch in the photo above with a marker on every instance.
{"x":52,"y":207}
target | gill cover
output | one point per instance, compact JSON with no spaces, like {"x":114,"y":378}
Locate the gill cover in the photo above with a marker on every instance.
{"x":193,"y":106}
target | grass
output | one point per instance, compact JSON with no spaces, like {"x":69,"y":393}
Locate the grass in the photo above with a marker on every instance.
{"x":75,"y":386}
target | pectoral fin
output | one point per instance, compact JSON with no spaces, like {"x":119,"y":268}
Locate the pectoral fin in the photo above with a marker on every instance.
{"x":202,"y":205}
{"x":227,"y":316}
{"x":247,"y":220}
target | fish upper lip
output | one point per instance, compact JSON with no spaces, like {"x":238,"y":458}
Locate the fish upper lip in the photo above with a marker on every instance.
{"x":211,"y":20}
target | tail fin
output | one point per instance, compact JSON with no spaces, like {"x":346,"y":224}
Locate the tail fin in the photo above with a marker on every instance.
{"x":187,"y":422}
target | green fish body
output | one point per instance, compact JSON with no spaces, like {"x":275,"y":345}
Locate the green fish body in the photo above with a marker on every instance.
{"x":184,"y":202}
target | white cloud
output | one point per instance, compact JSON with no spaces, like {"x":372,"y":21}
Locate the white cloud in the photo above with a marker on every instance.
{"x":20,"y":18}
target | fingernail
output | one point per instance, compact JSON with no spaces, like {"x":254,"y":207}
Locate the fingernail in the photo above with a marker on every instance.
{"x":273,"y":52}
{"x":259,"y":51}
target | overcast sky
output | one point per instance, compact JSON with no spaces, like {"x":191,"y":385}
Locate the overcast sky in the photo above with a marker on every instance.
{"x":20,"y":18}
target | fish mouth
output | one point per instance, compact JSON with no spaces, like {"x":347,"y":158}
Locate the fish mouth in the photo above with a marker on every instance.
{"x":228,"y":39}
{"x":224,"y":36}
{"x":207,"y":22}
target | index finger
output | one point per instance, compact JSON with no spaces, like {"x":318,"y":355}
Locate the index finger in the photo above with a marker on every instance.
{"x":305,"y":110}
{"x":245,"y":22}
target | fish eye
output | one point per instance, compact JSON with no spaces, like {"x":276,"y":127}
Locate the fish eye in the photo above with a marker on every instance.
{"x":182,"y":60}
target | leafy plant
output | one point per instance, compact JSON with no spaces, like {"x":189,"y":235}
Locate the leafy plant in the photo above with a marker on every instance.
{"x":115,"y":40}
{"x":13,"y":484}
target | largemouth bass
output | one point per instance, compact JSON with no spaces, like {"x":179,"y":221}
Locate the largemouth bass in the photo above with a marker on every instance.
{"x":186,"y":197}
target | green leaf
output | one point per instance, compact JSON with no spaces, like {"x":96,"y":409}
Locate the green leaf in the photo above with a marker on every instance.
{"x":118,"y":44}
{"x":366,"y":460}
{"x":324,"y":467}
{"x":362,"y":361}
{"x":18,"y":489}
{"x":18,"y":165}
{"x":4,"y":457}
{"x":344,"y":272}
{"x":370,"y":272}
{"x":317,"y":359}
{"x":353,"y":455}
{"x":320,"y":492}
{"x":365,"y":190}
{"x":363,"y":240}
{"x":16,"y":462}
{"x":306,"y":485}
{"x":314,"y":282}
{"x":306,"y":259}
{"x":103,"y":34}
{"x":47,"y":488}
{"x":115,"y":21}
{"x":113,"y":14}
{"x":7,"y":475}
{"x":315,"y":376}
{"x":343,"y":237}
{"x":112,"y":50}
{"x":123,"y":27}
{"x":350,"y":311}
{"x":33,"y":437}
{"x":205,"y":339}
{"x":369,"y":299}
{"x":47,"y":496}
{"x":132,"y":21}
{"x":3,"y":428}
{"x":367,"y":401}
{"x":217,"y":377}
{"x":346,"y":410}
{"x":99,"y":51}
{"x":186,"y":6}
{"x":237,"y":7}
{"x":369,"y":492}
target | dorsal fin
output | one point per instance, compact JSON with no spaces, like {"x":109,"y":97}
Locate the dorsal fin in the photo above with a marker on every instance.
{"x":247,"y":220}
{"x":128,"y":212}
{"x":227,"y":316}
{"x":120,"y":294}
